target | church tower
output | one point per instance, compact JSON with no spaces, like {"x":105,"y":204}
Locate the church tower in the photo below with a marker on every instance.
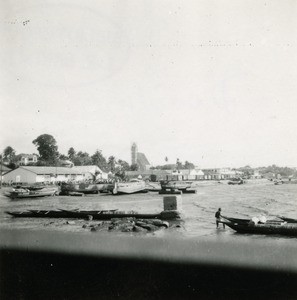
{"x":134,"y":151}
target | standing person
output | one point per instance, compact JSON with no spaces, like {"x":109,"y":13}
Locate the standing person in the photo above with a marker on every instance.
{"x":218,"y":218}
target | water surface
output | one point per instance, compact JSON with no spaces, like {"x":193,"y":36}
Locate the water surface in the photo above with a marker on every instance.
{"x":248,"y":200}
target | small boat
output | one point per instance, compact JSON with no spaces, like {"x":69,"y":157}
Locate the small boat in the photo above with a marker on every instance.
{"x":170,"y":192}
{"x":236,"y":181}
{"x":176,"y":184}
{"x":280,"y":227}
{"x":288,"y":229}
{"x":176,"y":187}
{"x":23,"y":192}
{"x":131,"y":187}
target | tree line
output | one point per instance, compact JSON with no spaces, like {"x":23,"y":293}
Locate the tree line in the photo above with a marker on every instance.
{"x":50,"y":156}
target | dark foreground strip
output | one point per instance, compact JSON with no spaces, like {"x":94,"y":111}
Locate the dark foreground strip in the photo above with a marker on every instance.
{"x":53,"y":265}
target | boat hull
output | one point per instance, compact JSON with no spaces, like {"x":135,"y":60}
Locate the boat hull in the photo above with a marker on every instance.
{"x":86,"y":188}
{"x":95,"y":215}
{"x":134,"y":187}
{"x":170,"y":192}
{"x":25,"y":194}
{"x":176,"y":185}
{"x":284,"y":229}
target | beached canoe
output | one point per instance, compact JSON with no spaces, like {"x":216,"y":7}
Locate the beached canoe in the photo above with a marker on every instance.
{"x":94,"y":214}
{"x":61,"y":213}
{"x":288,"y":229}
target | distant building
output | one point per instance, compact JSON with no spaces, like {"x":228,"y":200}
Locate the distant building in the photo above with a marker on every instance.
{"x":194,"y":174}
{"x":26,"y":159}
{"x":28,"y":174}
{"x":152,"y":175}
{"x":256,"y":175}
{"x":157,"y":175}
{"x":221,"y":173}
{"x":139,"y":158}
{"x":3,"y":171}
{"x":91,"y":172}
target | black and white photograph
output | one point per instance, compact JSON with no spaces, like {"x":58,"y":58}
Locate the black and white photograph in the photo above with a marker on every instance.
{"x":148,"y":149}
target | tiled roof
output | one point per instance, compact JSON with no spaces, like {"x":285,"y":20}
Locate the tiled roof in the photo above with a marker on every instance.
{"x":141,"y":159}
{"x":51,"y":170}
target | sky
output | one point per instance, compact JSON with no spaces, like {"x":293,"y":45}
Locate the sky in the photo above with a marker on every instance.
{"x":211,"y":82}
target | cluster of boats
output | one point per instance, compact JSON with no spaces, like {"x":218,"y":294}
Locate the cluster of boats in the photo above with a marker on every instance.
{"x":130,"y":187}
{"x":117,"y":188}
{"x":280,"y":226}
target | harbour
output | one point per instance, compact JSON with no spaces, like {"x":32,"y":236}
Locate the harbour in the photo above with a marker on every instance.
{"x":148,"y":150}
{"x":252,"y":199}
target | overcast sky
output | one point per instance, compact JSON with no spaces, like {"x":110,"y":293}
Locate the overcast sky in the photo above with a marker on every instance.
{"x":211,"y":82}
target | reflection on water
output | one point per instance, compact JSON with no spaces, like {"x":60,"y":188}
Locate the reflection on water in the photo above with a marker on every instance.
{"x":198,"y":209}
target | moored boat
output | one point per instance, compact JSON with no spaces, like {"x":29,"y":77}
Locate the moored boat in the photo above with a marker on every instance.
{"x":176,"y":185}
{"x":288,"y":229}
{"x":131,"y":187}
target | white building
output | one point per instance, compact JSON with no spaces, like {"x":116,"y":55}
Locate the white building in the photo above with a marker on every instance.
{"x":91,"y":172}
{"x":28,"y":159}
{"x":193,"y":174}
{"x":196,"y":174}
{"x":26,"y":174}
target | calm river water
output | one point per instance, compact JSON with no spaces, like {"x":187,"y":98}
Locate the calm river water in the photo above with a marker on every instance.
{"x":251,"y":199}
